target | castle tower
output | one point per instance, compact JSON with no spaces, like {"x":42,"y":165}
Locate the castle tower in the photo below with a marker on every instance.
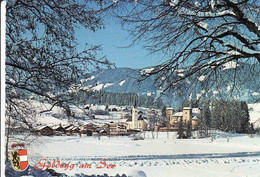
{"x":187,"y":114}
{"x":169,"y":113}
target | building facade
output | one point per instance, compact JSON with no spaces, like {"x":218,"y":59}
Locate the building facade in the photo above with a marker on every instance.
{"x":187,"y":114}
{"x":136,"y":122}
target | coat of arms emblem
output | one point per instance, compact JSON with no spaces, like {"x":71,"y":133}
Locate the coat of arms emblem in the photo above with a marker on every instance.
{"x":19,"y":157}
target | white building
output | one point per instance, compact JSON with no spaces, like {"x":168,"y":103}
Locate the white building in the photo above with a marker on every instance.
{"x":136,"y":122}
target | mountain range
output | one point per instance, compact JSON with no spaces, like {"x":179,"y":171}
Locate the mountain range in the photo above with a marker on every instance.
{"x":125,"y":80}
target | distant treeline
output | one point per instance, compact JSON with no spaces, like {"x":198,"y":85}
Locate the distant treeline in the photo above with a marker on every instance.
{"x":120,"y":99}
{"x":225,"y":115}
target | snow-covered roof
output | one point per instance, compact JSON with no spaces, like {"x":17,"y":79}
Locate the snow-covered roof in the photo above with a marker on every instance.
{"x":69,"y":128}
{"x":195,"y":110}
{"x":103,"y":116}
{"x":66,"y":125}
{"x":194,"y":118}
{"x":41,"y":127}
{"x":74,"y":128}
{"x":55,"y":126}
{"x":178,"y":114}
{"x":169,"y":108}
{"x":146,"y":121}
{"x":123,"y":120}
{"x":88,"y":123}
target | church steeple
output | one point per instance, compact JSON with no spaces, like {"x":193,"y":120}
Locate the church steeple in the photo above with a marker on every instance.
{"x":135,"y":102}
{"x":134,"y":114}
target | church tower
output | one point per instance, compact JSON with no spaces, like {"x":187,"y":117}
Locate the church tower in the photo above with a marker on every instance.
{"x":134,"y":114}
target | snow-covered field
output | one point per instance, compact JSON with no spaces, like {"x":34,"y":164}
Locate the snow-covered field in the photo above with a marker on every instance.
{"x":229,"y":155}
{"x":238,"y":155}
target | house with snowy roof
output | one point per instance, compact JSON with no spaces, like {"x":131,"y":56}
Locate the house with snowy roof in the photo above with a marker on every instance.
{"x":44,"y":130}
{"x":118,"y":128}
{"x":58,"y":129}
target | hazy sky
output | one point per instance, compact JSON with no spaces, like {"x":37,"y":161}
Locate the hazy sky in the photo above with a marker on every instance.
{"x":112,"y":38}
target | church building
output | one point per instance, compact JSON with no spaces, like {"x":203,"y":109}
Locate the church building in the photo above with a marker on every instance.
{"x":136,"y":121}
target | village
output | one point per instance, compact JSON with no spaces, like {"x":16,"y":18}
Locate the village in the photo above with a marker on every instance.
{"x":100,"y":120}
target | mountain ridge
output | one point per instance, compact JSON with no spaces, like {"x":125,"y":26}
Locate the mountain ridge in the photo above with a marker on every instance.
{"x":125,"y":80}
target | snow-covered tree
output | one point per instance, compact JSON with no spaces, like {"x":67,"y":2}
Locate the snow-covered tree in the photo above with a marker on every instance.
{"x":189,"y":129}
{"x":181,"y":133}
{"x":42,"y":58}
{"x":202,"y":127}
{"x":207,"y":117}
{"x":244,"y":117}
{"x":230,"y":116}
{"x":164,"y":112}
{"x":204,"y":41}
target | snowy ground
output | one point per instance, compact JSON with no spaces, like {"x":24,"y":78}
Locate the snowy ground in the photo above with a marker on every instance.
{"x":230,"y":155}
{"x":238,"y":155}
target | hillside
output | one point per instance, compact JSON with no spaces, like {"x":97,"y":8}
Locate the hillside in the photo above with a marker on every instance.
{"x":121,"y":80}
{"x":125,"y":80}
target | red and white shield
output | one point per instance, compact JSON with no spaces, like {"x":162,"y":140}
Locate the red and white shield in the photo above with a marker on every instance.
{"x":19,"y":159}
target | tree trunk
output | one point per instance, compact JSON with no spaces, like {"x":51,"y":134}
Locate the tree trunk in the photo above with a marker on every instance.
{"x":7,"y":138}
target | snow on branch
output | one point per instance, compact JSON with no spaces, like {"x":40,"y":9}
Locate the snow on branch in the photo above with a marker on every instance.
{"x":188,"y":12}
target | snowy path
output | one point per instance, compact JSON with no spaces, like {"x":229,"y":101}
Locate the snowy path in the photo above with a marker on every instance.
{"x":188,"y":160}
{"x":219,"y":164}
{"x":240,"y":157}
{"x":157,"y":157}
